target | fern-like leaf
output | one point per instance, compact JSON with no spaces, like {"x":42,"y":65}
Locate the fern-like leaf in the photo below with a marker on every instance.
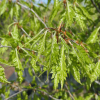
{"x":3,"y":6}
{"x":34,"y":66}
{"x":80,"y":19}
{"x":41,"y":46}
{"x":93,"y":37}
{"x":59,"y":70}
{"x":76,"y":73}
{"x":55,"y":75}
{"x":62,"y":65}
{"x":86,"y":13}
{"x":2,"y":76}
{"x":95,"y":72}
{"x":4,"y":42}
{"x":18,"y":66}
{"x":14,"y":33}
{"x":54,"y":50}
{"x":82,"y":55}
{"x":70,"y":14}
{"x":2,"y":61}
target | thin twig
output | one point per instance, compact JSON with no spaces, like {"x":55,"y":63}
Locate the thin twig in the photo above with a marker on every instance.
{"x":95,"y":6}
{"x":22,"y":28}
{"x":16,"y":94}
{"x":39,"y":18}
{"x":29,"y":49}
{"x":25,"y":32}
{"x":5,"y":46}
{"x":2,"y":95}
{"x":69,"y":92}
{"x":34,"y":13}
{"x":37,"y":77}
{"x":45,"y":93}
{"x":97,"y":82}
{"x":2,"y":46}
{"x":32,"y":68}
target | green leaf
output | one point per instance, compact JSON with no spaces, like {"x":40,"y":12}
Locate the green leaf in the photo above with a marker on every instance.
{"x":76,"y":74}
{"x":55,"y":75}
{"x":48,"y":2}
{"x":89,"y":97}
{"x":15,"y":33}
{"x":56,"y":3}
{"x":56,"y":8}
{"x":81,"y":54}
{"x":41,"y":46}
{"x":3,"y":6}
{"x":95,"y":72}
{"x":7,"y":93}
{"x":2,"y":76}
{"x":54,"y":50}
{"x":70,"y":14}
{"x":54,"y":13}
{"x":56,"y":81}
{"x":17,"y":11}
{"x":64,"y":43}
{"x":59,"y":70}
{"x":62,"y":65}
{"x":25,"y":95}
{"x":18,"y":66}
{"x":86,"y":13}
{"x":11,"y":12}
{"x":80,"y":20}
{"x":37,"y":35}
{"x":34,"y":66}
{"x":4,"y":42}
{"x":93,"y":37}
{"x":2,"y":61}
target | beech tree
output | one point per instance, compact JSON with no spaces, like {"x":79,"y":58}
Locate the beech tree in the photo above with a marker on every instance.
{"x":59,"y":38}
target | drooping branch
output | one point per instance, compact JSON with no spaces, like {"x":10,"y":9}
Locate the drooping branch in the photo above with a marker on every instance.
{"x":95,"y":6}
{"x":33,"y":12}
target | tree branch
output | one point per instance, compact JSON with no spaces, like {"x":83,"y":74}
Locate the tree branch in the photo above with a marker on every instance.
{"x":16,"y":94}
{"x":45,"y":93}
{"x":95,"y":6}
{"x":5,"y":46}
{"x":25,"y":32}
{"x":33,"y":12}
{"x":21,"y":28}
{"x":69,"y":92}
{"x":97,"y":82}
{"x":37,"y":77}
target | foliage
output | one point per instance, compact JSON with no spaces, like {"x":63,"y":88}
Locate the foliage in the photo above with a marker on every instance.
{"x":60,"y":38}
